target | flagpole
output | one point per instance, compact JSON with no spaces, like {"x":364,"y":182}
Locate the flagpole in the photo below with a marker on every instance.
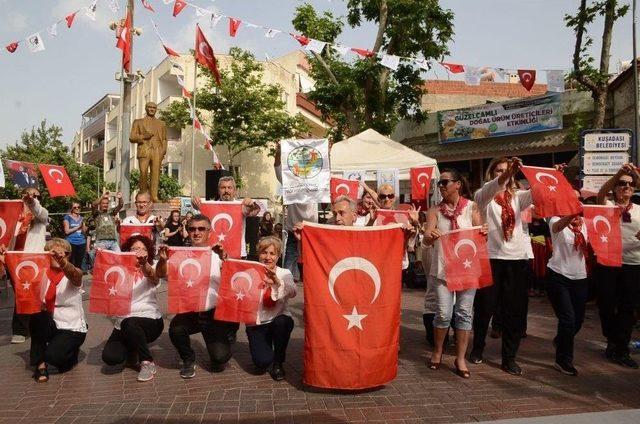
{"x":193,"y":125}
{"x":125,"y":119}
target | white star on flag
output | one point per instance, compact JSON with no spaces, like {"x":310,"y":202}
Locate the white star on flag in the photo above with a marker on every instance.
{"x":355,"y":319}
{"x":112,"y":291}
{"x":221,"y":237}
{"x":316,"y":46}
{"x":604,"y":239}
{"x":35,"y":43}
{"x":189,"y":283}
{"x":390,"y":61}
{"x":53,"y":30}
{"x":271,"y":33}
{"x":467,"y":263}
{"x":26,"y":285}
{"x":552,"y":188}
{"x":239,"y":295}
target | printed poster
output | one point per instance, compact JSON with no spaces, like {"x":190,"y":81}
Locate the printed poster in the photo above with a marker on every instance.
{"x":305,"y":171}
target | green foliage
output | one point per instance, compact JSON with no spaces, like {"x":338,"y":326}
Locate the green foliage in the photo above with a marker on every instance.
{"x":168,"y":189}
{"x":177,"y":114}
{"x":245,"y":113}
{"x":363,"y":94}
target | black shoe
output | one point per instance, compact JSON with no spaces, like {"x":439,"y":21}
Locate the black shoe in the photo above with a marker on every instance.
{"x":512,"y":368}
{"x":475,"y":357}
{"x":567,"y":369}
{"x":188,"y":370}
{"x":610,"y":351}
{"x":625,"y":360}
{"x":277,"y":372}
{"x":217,"y":367}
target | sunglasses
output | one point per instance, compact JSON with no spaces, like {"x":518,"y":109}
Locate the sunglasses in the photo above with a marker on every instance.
{"x":445,"y":182}
{"x":386,"y":196}
{"x":624,"y":184}
{"x":194,"y":229}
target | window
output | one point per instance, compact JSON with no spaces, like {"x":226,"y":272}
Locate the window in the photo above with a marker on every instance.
{"x":172,"y":169}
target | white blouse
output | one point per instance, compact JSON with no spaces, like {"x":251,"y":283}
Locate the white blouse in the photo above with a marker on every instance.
{"x":68,"y":313}
{"x":280,"y":294}
{"x":630,"y":243}
{"x":566,"y":260}
{"x":144,"y":301}
{"x":444,"y":225}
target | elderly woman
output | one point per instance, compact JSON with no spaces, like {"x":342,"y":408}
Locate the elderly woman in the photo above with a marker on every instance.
{"x":60,"y":329}
{"x":268,"y":341}
{"x":454,"y":212}
{"x":619,"y":288}
{"x":386,"y":196}
{"x":132,"y":334}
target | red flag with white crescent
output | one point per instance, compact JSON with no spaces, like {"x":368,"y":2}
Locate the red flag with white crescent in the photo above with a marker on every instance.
{"x":552,"y":194}
{"x":147,"y":5}
{"x":301,"y":39}
{"x":10,"y":211}
{"x":240,"y":292}
{"x":227,"y":224}
{"x":29,"y":276}
{"x":352,"y":278}
{"x":124,"y":42}
{"x":342,"y":187}
{"x":57,"y":180}
{"x":234,"y":24}
{"x":188,"y":277}
{"x":466,"y":259}
{"x":128,"y":230}
{"x":178,"y":6}
{"x":70,"y":18}
{"x":420,"y":182}
{"x":392,"y":216}
{"x":527,"y":78}
{"x":112,"y":283}
{"x":363,"y":52}
{"x":605,"y":234}
{"x":205,"y":55}
{"x":454,"y":68}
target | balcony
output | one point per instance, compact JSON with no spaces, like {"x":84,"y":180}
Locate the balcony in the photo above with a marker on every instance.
{"x":112,"y":143}
{"x":164,"y":103}
{"x":95,"y":156}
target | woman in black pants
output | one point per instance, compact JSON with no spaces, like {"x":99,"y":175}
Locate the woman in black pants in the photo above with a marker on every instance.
{"x":132,"y":333}
{"x":268,"y":341}
{"x":73,"y":226}
{"x":618,"y":289}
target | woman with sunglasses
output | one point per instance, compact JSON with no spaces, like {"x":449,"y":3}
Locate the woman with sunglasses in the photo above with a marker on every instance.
{"x":386,"y":196}
{"x":73,"y":226}
{"x":130,"y":338}
{"x":455,"y":211}
{"x":509,"y":246}
{"x":619,"y":288}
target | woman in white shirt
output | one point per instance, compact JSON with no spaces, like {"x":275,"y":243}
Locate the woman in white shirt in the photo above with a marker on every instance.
{"x":566,"y":284}
{"x":268,"y":341}
{"x":132,"y":333}
{"x":619,"y":287}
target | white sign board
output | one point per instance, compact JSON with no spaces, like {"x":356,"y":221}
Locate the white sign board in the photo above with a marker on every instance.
{"x":604,"y":163}
{"x":600,"y":142}
{"x":593,"y":183}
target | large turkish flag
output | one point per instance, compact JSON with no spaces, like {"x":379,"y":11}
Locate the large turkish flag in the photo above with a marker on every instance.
{"x":128,"y":230}
{"x":57,"y":180}
{"x":420,"y":182}
{"x":29,"y":276}
{"x":240,"y":293}
{"x":227,"y":225}
{"x":552,"y":194}
{"x":10,"y":211}
{"x":340,"y":187}
{"x":113,"y":276}
{"x":204,"y":54}
{"x":352,"y":283}
{"x":466,"y":259}
{"x":605,"y":234}
{"x":188,"y":277}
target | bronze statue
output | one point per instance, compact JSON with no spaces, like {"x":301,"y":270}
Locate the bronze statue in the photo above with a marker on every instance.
{"x":150,"y":134}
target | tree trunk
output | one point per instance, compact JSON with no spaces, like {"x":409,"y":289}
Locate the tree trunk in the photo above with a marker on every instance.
{"x":373,"y":97}
{"x":600,"y":112}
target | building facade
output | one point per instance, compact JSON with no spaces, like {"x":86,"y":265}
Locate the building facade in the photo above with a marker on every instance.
{"x":99,"y":127}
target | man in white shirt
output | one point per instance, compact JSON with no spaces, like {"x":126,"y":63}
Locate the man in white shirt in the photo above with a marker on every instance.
{"x":143,"y":215}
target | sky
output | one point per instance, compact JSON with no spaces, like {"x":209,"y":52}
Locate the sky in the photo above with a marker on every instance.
{"x":78,"y":66}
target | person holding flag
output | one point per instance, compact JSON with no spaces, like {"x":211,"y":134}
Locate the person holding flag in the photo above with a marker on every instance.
{"x":366,"y":206}
{"x":455,"y":212}
{"x":132,"y":333}
{"x":618,"y":288}
{"x":268,"y":340}
{"x":143,"y":215}
{"x":106,"y":231}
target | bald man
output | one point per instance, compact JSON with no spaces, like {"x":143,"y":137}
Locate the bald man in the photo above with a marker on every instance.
{"x":150,"y":134}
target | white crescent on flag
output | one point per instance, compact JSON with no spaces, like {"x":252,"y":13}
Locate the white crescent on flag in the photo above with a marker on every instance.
{"x":118,"y":270}
{"x":346,"y":187}
{"x":426,"y":177}
{"x":56,"y":171}
{"x":224,"y":216}
{"x":240,"y":275}
{"x":599,"y":218}
{"x":358,"y":263}
{"x":205,"y":50}
{"x":27,"y":264}
{"x":194,"y":263}
{"x":465,"y":242}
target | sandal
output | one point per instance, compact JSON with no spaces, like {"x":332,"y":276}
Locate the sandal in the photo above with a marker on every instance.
{"x":461,"y":373}
{"x":41,"y":375}
{"x":434,"y":365}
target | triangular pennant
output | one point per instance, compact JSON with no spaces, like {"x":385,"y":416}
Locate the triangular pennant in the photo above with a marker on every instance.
{"x":423,"y":64}
{"x":214,"y":20}
{"x":301,"y":39}
{"x":316,"y":46}
{"x":527,"y":78}
{"x":454,"y":68}
{"x":35,"y":43}
{"x":114,"y":6}
{"x":201,"y":12}
{"x":53,"y":30}
{"x":178,"y":6}
{"x":272,"y":33}
{"x":91,"y":10}
{"x":70,"y":18}
{"x":234,"y":24}
{"x":363,"y":52}
{"x":390,"y":61}
{"x":555,"y":81}
{"x":170,"y":51}
{"x":147,"y":5}
{"x":12,"y":47}
{"x":472,"y":75}
{"x":342,"y":50}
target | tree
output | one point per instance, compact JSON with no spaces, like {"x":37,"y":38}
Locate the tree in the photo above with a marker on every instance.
{"x":364,"y":94}
{"x":584,"y":72}
{"x":169,"y":187}
{"x":244,"y":112}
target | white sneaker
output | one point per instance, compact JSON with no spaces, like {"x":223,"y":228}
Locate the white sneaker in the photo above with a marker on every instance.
{"x":17,"y":339}
{"x":147,"y":371}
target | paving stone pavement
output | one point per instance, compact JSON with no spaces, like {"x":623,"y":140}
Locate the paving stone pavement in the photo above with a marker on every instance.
{"x":91,"y":393}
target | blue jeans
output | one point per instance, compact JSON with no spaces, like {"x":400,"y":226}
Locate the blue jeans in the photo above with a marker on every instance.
{"x":107,"y":245}
{"x":291,"y":256}
{"x":449,"y":303}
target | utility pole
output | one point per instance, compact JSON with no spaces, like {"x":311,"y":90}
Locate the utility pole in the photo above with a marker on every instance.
{"x":634,"y":64}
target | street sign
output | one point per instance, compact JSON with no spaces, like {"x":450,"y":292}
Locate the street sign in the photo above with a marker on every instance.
{"x":603,"y":163}
{"x":601,"y":142}
{"x":603,"y":152}
{"x":593,"y":183}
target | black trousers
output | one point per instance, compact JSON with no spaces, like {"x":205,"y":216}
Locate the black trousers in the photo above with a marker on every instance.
{"x":77,"y":254}
{"x":510,"y":284}
{"x":268,"y":342}
{"x":218,"y":335}
{"x":55,"y":347}
{"x":618,"y":291}
{"x":132,"y":339}
{"x":19,"y":322}
{"x":568,"y":299}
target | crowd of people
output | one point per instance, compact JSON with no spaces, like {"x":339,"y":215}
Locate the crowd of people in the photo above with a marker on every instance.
{"x":59,"y":330}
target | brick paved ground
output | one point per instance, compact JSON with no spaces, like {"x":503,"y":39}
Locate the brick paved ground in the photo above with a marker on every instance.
{"x":89,"y":394}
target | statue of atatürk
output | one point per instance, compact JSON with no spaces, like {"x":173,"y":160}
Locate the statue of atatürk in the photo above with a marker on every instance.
{"x":150,"y":134}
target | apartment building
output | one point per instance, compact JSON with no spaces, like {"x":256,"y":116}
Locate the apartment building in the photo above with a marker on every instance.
{"x":99,"y":127}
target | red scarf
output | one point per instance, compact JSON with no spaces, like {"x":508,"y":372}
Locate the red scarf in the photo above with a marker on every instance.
{"x":579,"y":242}
{"x":508,"y":216}
{"x":452,"y":215}
{"x":54,"y":276}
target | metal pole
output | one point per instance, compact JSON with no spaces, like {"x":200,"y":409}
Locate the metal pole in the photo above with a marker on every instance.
{"x":125,"y":101}
{"x":636,"y":111}
{"x":193,"y":126}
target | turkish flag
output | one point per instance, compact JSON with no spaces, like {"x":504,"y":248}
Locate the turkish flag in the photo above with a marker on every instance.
{"x":340,"y":187}
{"x":170,"y":51}
{"x":240,"y":292}
{"x":527,"y":78}
{"x":234,"y":24}
{"x":227,"y":224}
{"x":420,"y":182}
{"x":70,"y":18}
{"x":205,"y":55}
{"x":10,"y":211}
{"x":466,"y":259}
{"x":604,"y":231}
{"x":12,"y":47}
{"x":552,"y":194}
{"x":124,"y":42}
{"x":128,"y":230}
{"x":113,"y":277}
{"x":363,"y":52}
{"x":29,"y":276}
{"x":301,"y":39}
{"x":188,"y":277}
{"x":352,"y":284}
{"x":57,"y":181}
{"x":454,"y":68}
{"x":389,"y":216}
{"x":178,"y":6}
